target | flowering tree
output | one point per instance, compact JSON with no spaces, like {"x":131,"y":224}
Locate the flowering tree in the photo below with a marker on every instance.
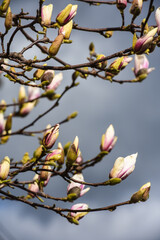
{"x":42,"y":78}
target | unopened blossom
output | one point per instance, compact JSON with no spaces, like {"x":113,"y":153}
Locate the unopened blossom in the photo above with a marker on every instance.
{"x":77,"y":189}
{"x":102,"y":64}
{"x":26,"y":108}
{"x":46,"y":14}
{"x":33,"y":92}
{"x":56,"y":81}
{"x":142,"y":195}
{"x":119,"y":64}
{"x":145,"y":41}
{"x":34,"y":187}
{"x":22,"y":94}
{"x":123,"y":167}
{"x":121,"y":4}
{"x":157,"y":17}
{"x":78,"y":215}
{"x":55,"y":46}
{"x":56,"y":155}
{"x":4,"y":168}
{"x":4,"y":6}
{"x":108,"y":139}
{"x":141,"y":66}
{"x":79,"y":158}
{"x":2,"y":123}
{"x":50,"y":136}
{"x":67,"y":14}
{"x":136,"y":7}
{"x":8,"y":19}
{"x":72,"y":152}
{"x":45,"y":175}
{"x":66,"y":29}
{"x":48,"y":76}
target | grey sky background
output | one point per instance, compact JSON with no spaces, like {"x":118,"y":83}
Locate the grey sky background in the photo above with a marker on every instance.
{"x":134,"y":111}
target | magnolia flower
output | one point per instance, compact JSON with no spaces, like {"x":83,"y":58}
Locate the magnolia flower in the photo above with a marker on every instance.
{"x":119,"y":64}
{"x":34,"y":187}
{"x":46,"y":14}
{"x":141,"y":66}
{"x":145,"y":41}
{"x":142,"y":195}
{"x":50,"y":136}
{"x":157,"y":17}
{"x":67,"y":14}
{"x":76,"y":189}
{"x":45,"y":175}
{"x":55,"y":46}
{"x":78,"y":215}
{"x":121,"y":4}
{"x":2,"y":123}
{"x":123,"y":167}
{"x":48,"y":76}
{"x":56,"y":81}
{"x":4,"y":168}
{"x":33,"y":92}
{"x":108,"y":139}
{"x":79,"y":158}
{"x":56,"y":155}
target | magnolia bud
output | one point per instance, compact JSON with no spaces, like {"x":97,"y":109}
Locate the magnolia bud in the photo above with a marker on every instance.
{"x":78,"y":215}
{"x":4,"y":168}
{"x":22,"y":94}
{"x":121,"y":4}
{"x":66,"y":30}
{"x":2,"y":123}
{"x":8,"y":124}
{"x":46,"y":14}
{"x":142,"y":195}
{"x":50,"y":136}
{"x":4,"y":6}
{"x":34,"y":187}
{"x":101,"y":64}
{"x":48,"y":76}
{"x":157,"y":17}
{"x":54,"y":48}
{"x":136,"y":7}
{"x":8,"y":19}
{"x":38,"y":73}
{"x":67,"y":14}
{"x":38,"y":152}
{"x":108,"y":139}
{"x":3,"y":105}
{"x":72,"y":152}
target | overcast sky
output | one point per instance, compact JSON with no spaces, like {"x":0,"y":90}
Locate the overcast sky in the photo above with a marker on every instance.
{"x":134,"y":111}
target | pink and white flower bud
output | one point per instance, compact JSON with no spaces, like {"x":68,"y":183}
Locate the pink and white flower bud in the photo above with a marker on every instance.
{"x":157,"y":17}
{"x":72,"y":152}
{"x":33,"y":92}
{"x":108,"y":139}
{"x":79,"y":206}
{"x":45,"y":175}
{"x":77,"y":188}
{"x":56,"y":81}
{"x":119,"y":64}
{"x":4,"y":168}
{"x":50,"y":136}
{"x":121,"y":4}
{"x":34,"y":187}
{"x":142,"y":195}
{"x":67,"y":14}
{"x":145,"y":41}
{"x":48,"y":76}
{"x":123,"y":167}
{"x":2,"y":123}
{"x":26,"y":108}
{"x":79,"y":159}
{"x":141,"y":65}
{"x":66,"y":29}
{"x":46,"y":14}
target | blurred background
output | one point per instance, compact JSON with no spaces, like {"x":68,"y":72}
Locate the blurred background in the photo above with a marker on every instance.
{"x":134,"y":111}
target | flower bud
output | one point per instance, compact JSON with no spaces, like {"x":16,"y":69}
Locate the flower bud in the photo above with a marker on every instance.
{"x":26,"y":108}
{"x":142,"y":195}
{"x":8,"y":19}
{"x":119,"y":64}
{"x":66,"y":29}
{"x":121,"y":4}
{"x":157,"y":17}
{"x":3,"y":106}
{"x":79,"y":159}
{"x":78,"y":215}
{"x":108,"y":139}
{"x":141,"y":67}
{"x":136,"y":7}
{"x":75,"y":189}
{"x":72,"y":152}
{"x":34,"y":187}
{"x":38,"y":152}
{"x":44,"y":174}
{"x":108,"y":34}
{"x":33,"y":92}
{"x":56,"y":81}
{"x":123,"y":167}
{"x":22,"y":94}
{"x":8,"y":124}
{"x":144,"y":42}
{"x":4,"y":6}
{"x":55,"y":46}
{"x":25,"y":158}
{"x":66,"y":14}
{"x":4,"y":168}
{"x":101,"y":64}
{"x":2,"y":123}
{"x":48,"y":76}
{"x":50,"y":136}
{"x":46,"y":14}
{"x":55,"y":155}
